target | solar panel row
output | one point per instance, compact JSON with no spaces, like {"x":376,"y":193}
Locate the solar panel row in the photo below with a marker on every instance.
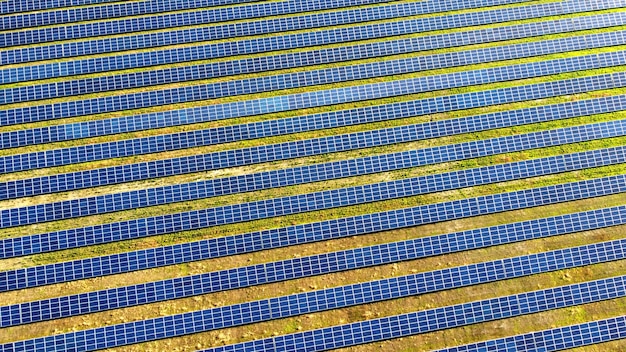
{"x":266,"y":153}
{"x":248,"y":28}
{"x":15,"y":6}
{"x":556,"y":339}
{"x":137,"y":24}
{"x":303,"y":174}
{"x":307,"y":99}
{"x":407,"y":324}
{"x":133,"y":147}
{"x":96,"y":301}
{"x":309,"y":78}
{"x":434,"y":105}
{"x":258,"y":45}
{"x":322,"y":56}
{"x":229,"y":279}
{"x":73,"y":238}
{"x":245,"y":243}
{"x":303,"y":303}
{"x":280,"y":307}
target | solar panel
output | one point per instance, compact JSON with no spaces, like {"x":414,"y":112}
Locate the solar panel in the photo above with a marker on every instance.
{"x":267,"y":153}
{"x":307,"y":78}
{"x":303,"y":174}
{"x":355,"y":52}
{"x":80,"y":154}
{"x":16,"y":6}
{"x":556,"y":339}
{"x":240,"y":29}
{"x":381,"y":163}
{"x":338,"y":297}
{"x":246,"y":243}
{"x":290,"y":269}
{"x":411,"y":323}
{"x":161,"y":21}
{"x":433,"y":105}
{"x":307,"y":99}
{"x":73,"y":238}
{"x":299,"y":175}
{"x":8,"y":7}
{"x":300,"y":40}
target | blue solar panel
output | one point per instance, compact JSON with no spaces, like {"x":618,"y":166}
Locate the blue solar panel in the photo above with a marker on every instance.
{"x":312,"y":173}
{"x":267,"y":153}
{"x":73,"y":238}
{"x":308,"y":99}
{"x":127,"y":9}
{"x":256,"y":241}
{"x":556,"y":339}
{"x":307,"y":78}
{"x":187,"y":286}
{"x":368,"y":50}
{"x":247,"y":28}
{"x":16,"y":6}
{"x":374,"y":291}
{"x":80,"y":154}
{"x":434,"y":105}
{"x":303,"y":39}
{"x":406,"y":324}
{"x":137,"y":24}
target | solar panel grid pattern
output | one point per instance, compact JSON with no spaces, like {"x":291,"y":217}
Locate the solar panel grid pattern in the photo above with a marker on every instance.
{"x":303,"y":267}
{"x":138,"y":24}
{"x":556,"y":339}
{"x":246,"y":243}
{"x":73,"y":238}
{"x":288,"y":150}
{"x":309,"y":78}
{"x":271,"y":271}
{"x":248,"y":28}
{"x":66,"y":156}
{"x":300,"y":40}
{"x":308,"y":99}
{"x":438,"y":318}
{"x":135,"y":8}
{"x":365,"y":114}
{"x":14,"y":6}
{"x":322,"y":56}
{"x":304,"y":174}
{"x":188,"y":286}
{"x":417,"y":322}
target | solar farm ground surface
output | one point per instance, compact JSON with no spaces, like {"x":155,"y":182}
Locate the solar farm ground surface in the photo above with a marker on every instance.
{"x":423,"y":342}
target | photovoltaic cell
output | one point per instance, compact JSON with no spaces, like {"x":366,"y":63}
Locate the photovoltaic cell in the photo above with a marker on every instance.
{"x":311,"y":173}
{"x":245,"y":243}
{"x":188,"y":286}
{"x":267,"y":153}
{"x":322,"y":56}
{"x":434,"y":105}
{"x":79,"y":154}
{"x":308,"y":99}
{"x":303,"y":303}
{"x":247,"y":28}
{"x":286,"y":177}
{"x":427,"y":320}
{"x":16,"y":6}
{"x":160,"y":143}
{"x":258,"y":45}
{"x":73,"y":238}
{"x":309,"y":78}
{"x":556,"y":339}
{"x":161,"y":21}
